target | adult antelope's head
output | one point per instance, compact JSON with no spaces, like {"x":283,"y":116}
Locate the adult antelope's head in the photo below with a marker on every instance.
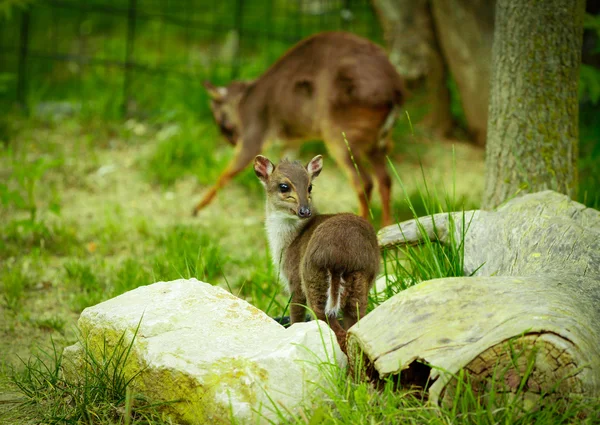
{"x":224,"y":102}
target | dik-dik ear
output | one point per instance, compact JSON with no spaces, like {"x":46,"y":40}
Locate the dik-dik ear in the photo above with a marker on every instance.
{"x":216,"y":93}
{"x":263,"y":168}
{"x":315,"y":166}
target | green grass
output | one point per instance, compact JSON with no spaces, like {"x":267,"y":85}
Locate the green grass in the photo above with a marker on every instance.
{"x":98,"y":244}
{"x":13,"y":283}
{"x":187,"y":149}
{"x":99,"y":393}
{"x":352,"y":401}
{"x":25,"y":237}
{"x":264,"y":289}
{"x":180,"y":252}
{"x":188,"y":252}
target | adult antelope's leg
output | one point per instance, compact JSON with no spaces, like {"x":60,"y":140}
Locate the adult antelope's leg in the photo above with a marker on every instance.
{"x":354,"y":170}
{"x":384,"y":183}
{"x":244,"y":154}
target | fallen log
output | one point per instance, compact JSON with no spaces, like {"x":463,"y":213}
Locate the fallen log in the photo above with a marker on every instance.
{"x":525,"y":322}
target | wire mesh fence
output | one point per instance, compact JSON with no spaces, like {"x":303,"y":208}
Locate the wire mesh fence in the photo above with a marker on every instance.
{"x":113,"y":57}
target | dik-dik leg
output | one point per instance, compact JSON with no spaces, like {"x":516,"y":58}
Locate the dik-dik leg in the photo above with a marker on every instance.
{"x":357,"y":298}
{"x":315,"y":283}
{"x":298,"y":307}
{"x":245,"y":152}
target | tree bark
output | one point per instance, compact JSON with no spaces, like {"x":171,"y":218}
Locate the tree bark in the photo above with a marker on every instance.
{"x":525,"y":323}
{"x":414,"y":51}
{"x":465,"y":30}
{"x":533,"y":113}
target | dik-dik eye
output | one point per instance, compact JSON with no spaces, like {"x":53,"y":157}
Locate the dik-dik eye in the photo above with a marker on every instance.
{"x":283,"y":188}
{"x":309,"y":188}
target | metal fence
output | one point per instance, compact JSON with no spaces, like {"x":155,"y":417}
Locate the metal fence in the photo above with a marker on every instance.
{"x":144,"y":56}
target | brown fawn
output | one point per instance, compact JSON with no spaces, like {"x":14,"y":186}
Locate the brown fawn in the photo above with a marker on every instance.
{"x":326,"y":85}
{"x":329,"y":261}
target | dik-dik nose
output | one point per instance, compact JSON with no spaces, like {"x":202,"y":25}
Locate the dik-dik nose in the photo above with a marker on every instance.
{"x":304,"y":212}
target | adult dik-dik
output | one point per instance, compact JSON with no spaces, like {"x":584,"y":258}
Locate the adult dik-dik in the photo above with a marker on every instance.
{"x":329,"y":83}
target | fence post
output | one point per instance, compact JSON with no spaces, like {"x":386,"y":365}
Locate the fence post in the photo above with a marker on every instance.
{"x":239,"y":14}
{"x":22,"y":67}
{"x":131,"y":14}
{"x":299,"y":17}
{"x":344,"y":15}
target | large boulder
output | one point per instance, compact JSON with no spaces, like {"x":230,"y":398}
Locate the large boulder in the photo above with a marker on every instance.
{"x":219,"y":358}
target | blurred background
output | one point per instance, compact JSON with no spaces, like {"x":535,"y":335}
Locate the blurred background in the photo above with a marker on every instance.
{"x":150,"y":57}
{"x":147,"y":59}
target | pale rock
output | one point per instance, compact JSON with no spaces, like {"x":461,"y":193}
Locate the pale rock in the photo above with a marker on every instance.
{"x":225,"y":360}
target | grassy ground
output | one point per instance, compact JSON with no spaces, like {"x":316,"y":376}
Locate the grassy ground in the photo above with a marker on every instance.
{"x":92,"y":209}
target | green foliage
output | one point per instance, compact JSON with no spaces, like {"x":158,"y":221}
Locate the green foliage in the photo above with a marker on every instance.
{"x":20,"y":191}
{"x":50,"y":323}
{"x":20,"y":237}
{"x":409,"y":265}
{"x":9,"y":7}
{"x":13,"y":283}
{"x":187,"y":149}
{"x":263,"y":288}
{"x":188,"y":252}
{"x":6,"y":80}
{"x":173,"y":60}
{"x":589,"y":83}
{"x":20,"y":196}
{"x":41,"y":373}
{"x":589,"y":76}
{"x":589,"y":131}
{"x":87,"y":289}
{"x":129,"y":275}
{"x":456,"y":108}
{"x":589,"y":157}
{"x":592,"y":22}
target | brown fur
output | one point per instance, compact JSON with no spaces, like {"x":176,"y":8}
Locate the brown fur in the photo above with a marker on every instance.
{"x":321,"y":255}
{"x":327,"y":84}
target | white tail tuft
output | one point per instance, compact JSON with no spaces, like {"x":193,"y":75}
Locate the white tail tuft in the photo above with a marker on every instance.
{"x":334,"y":295}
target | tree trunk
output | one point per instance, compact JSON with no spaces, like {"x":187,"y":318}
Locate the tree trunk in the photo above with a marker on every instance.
{"x":465,"y":30}
{"x":525,"y":325}
{"x":414,"y":51}
{"x":533,"y":114}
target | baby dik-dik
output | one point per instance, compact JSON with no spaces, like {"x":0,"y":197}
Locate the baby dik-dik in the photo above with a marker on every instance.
{"x":329,"y":261}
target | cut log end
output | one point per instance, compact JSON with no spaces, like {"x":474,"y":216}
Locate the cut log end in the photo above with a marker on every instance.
{"x":529,"y":368}
{"x":526,"y":368}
